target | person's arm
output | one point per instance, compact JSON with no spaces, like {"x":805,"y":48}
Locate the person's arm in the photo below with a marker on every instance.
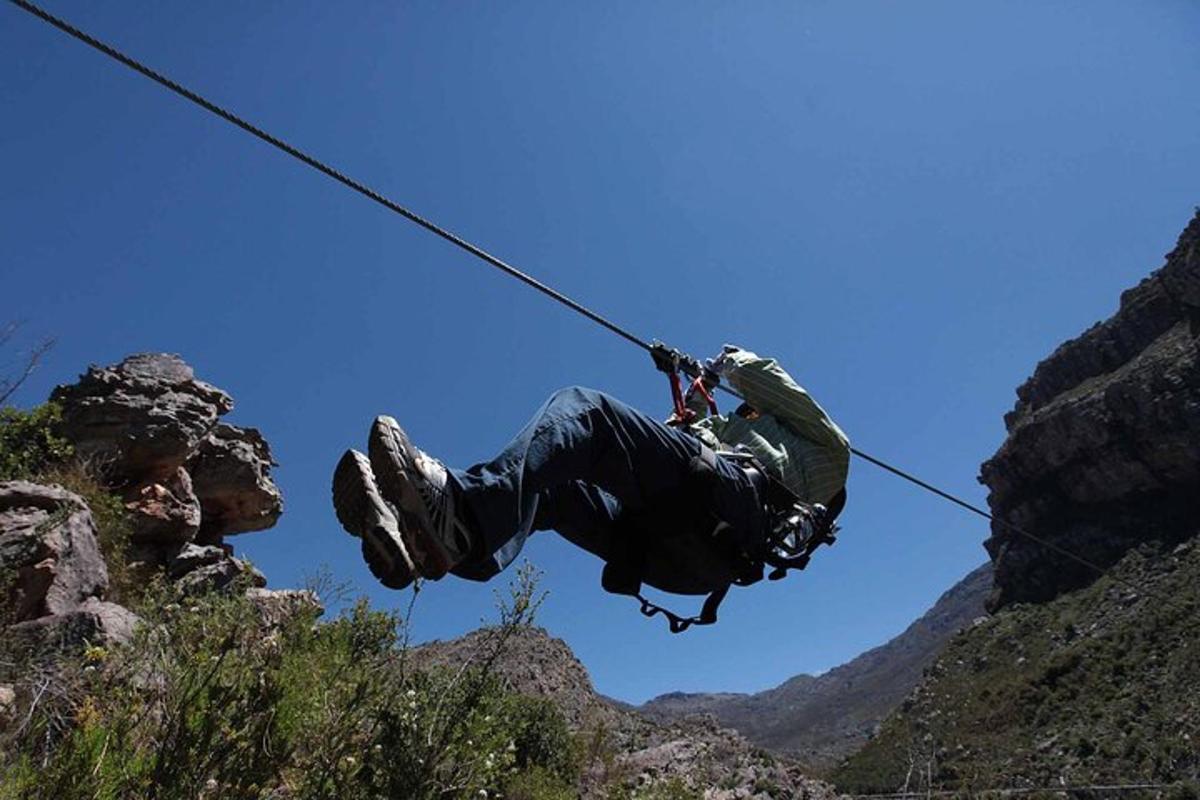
{"x":770,"y":390}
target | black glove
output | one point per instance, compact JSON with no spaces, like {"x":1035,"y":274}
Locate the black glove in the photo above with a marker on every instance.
{"x":666,"y":359}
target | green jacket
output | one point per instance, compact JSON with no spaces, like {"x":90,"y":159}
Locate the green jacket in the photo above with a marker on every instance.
{"x":791,"y":435}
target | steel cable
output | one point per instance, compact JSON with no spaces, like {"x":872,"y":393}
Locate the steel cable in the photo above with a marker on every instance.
{"x":487,"y":257}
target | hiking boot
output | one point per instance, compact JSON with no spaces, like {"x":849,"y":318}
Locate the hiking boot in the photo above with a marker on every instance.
{"x":364,"y":513}
{"x":420,"y":490}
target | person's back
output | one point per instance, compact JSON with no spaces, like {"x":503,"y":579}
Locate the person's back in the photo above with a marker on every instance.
{"x":781,"y":424}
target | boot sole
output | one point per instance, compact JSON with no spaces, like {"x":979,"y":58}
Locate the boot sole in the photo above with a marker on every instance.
{"x":389,"y":447}
{"x":384,"y":553}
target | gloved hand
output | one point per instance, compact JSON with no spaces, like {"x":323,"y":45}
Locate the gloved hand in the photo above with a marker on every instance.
{"x":666,"y":359}
{"x":719,"y":363}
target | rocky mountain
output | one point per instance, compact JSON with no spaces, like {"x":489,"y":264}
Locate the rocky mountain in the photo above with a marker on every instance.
{"x":635,"y":751}
{"x":820,"y":720}
{"x":1085,"y":674}
{"x":1102,"y":448}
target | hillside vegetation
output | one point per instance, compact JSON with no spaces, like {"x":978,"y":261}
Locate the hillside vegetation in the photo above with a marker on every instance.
{"x":1098,"y":686}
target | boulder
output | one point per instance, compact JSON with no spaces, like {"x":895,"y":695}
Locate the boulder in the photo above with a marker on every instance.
{"x":140,"y":419}
{"x":219,"y":576}
{"x":277,"y":606}
{"x":48,"y":548}
{"x":1103,"y":447}
{"x":93,"y":623}
{"x":165,"y":511}
{"x":8,"y":704}
{"x":231,"y":476}
{"x":193,"y":557}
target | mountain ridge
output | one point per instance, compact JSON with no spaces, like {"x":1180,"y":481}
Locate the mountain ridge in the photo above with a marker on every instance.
{"x":821,"y":719}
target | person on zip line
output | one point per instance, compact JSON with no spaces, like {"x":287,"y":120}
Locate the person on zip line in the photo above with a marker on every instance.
{"x":689,"y":506}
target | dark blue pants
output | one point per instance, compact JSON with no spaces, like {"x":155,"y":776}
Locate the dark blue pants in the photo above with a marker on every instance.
{"x":596,"y":470}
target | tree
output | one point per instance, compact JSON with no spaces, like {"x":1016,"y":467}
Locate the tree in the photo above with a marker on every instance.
{"x":27,"y":362}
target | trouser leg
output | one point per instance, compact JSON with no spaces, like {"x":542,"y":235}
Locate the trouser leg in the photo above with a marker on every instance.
{"x":583,"y":438}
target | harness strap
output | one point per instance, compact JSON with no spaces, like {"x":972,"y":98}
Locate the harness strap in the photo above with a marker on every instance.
{"x":683,"y":414}
{"x":678,"y":624}
{"x":698,"y":386}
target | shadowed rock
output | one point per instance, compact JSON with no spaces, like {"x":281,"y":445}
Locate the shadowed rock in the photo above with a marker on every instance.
{"x":193,"y":557}
{"x":278,"y":606}
{"x":94,"y":623}
{"x":1103,"y":450}
{"x":231,"y":477}
{"x":165,"y":511}
{"x":220,"y":575}
{"x":48,"y":547}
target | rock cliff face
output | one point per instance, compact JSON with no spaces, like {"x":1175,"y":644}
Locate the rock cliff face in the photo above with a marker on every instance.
{"x":1079,"y":677}
{"x":820,"y":720}
{"x":1103,"y":448}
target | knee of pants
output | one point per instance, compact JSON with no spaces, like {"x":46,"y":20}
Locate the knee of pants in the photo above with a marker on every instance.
{"x":573,"y":398}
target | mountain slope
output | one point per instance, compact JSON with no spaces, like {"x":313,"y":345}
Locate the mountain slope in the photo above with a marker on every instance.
{"x":1087,"y":672}
{"x":1097,"y":686}
{"x":822,"y":719}
{"x":624,"y":750}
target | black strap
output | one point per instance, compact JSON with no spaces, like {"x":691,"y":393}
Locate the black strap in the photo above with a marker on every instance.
{"x":678,"y":624}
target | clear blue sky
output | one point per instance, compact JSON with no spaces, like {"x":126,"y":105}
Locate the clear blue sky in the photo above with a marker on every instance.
{"x":909,"y":204}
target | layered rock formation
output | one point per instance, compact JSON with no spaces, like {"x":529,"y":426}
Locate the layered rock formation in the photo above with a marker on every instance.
{"x":152,"y":433}
{"x":1103,"y":449}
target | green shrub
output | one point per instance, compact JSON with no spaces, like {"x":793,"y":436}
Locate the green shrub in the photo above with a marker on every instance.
{"x":207,"y":702}
{"x":538,"y":783}
{"x":29,"y":443}
{"x":541,"y":737}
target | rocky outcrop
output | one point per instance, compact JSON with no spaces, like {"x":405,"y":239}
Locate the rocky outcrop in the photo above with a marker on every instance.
{"x":231,"y":471}
{"x":47,"y":550}
{"x":820,"y":720}
{"x":142,"y":418}
{"x":92,"y":623}
{"x":696,"y":752}
{"x":154,"y":433}
{"x":1103,"y":447}
{"x":151,"y":432}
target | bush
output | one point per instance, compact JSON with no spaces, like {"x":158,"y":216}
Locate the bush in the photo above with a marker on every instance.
{"x":29,"y":443}
{"x":207,"y":702}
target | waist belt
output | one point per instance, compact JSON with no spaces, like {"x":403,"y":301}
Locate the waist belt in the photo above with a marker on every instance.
{"x":624,"y":570}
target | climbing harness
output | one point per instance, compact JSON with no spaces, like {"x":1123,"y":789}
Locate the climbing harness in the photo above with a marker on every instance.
{"x":684,"y":364}
{"x":792,"y":529}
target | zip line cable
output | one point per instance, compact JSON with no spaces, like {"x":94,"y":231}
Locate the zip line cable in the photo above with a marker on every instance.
{"x":487,"y":257}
